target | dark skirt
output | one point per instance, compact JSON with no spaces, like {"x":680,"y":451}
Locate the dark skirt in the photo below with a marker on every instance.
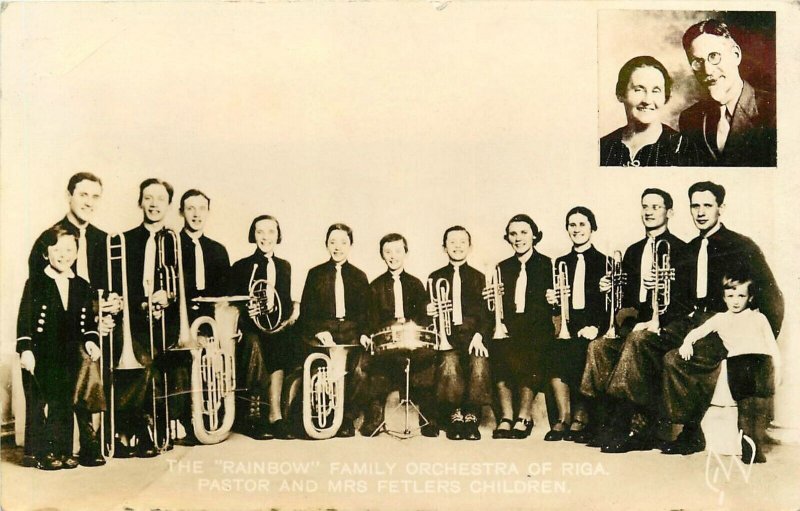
{"x":566,"y":359}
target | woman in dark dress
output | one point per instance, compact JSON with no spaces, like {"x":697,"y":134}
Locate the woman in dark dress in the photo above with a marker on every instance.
{"x":643,"y":88}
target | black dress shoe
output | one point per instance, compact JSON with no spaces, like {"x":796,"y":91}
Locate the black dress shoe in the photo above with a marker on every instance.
{"x":519,"y":434}
{"x":30,"y":461}
{"x":688,"y":442}
{"x":580,"y":437}
{"x":456,"y":426}
{"x":471,"y":431}
{"x":282,"y":430}
{"x":91,"y":459}
{"x":555,"y":435}
{"x":346,"y":430}
{"x":69,"y":462}
{"x":430,"y":430}
{"x":633,"y":441}
{"x":503,"y":433}
{"x":123,"y":451}
{"x":50,"y":462}
{"x":146,"y":449}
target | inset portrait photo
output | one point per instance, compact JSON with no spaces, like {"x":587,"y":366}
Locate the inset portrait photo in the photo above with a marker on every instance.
{"x":687,"y":88}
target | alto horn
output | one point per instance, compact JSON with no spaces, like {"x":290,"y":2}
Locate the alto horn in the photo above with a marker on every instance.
{"x":323,"y":392}
{"x":265,"y":304}
{"x":614,"y":297}
{"x":561,"y":287}
{"x":115,"y":252}
{"x":442,"y":320}
{"x":494,"y":301}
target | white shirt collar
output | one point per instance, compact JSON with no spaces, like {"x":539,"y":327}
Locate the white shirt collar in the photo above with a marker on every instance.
{"x":55,"y":275}
{"x":525,"y":256}
{"x":713,"y":230}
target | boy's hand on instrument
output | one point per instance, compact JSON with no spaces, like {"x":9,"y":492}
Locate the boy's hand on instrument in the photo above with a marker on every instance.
{"x":27,"y":361}
{"x":112,"y":304}
{"x":366,"y":342}
{"x":552,"y":296}
{"x":605,"y":284}
{"x":160,"y":299}
{"x":430,"y":309}
{"x":588,"y":332}
{"x":93,"y":350}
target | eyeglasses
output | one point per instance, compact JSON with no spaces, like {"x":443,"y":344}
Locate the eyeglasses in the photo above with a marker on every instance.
{"x":712,"y":58}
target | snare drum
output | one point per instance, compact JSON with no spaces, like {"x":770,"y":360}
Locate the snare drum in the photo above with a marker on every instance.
{"x":404,"y":340}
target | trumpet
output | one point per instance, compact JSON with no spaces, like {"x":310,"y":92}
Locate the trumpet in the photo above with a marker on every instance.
{"x":323,"y":392}
{"x":265,"y":304}
{"x":443,"y":319}
{"x":115,"y":252}
{"x":493,"y":293}
{"x":561,"y":287}
{"x":664,"y":274}
{"x":614,"y":297}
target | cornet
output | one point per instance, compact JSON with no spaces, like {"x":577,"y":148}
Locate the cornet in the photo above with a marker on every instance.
{"x":561,"y":287}
{"x":614,"y":297}
{"x":493,"y":294}
{"x":442,"y":320}
{"x":127,"y":360}
{"x":664,"y":274}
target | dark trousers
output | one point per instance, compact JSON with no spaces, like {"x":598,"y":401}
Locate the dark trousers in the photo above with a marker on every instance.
{"x":252,"y":378}
{"x":463,"y":380}
{"x":51,"y":432}
{"x":688,"y":385}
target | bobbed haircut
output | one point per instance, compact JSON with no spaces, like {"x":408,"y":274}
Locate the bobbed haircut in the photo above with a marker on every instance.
{"x":635,"y":63}
{"x":537,"y":234}
{"x":251,"y":234}
{"x":392,"y":236}
{"x":581,"y":210}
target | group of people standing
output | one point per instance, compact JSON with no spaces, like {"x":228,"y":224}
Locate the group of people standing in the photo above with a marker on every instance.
{"x":609,"y":387}
{"x":734,"y":126}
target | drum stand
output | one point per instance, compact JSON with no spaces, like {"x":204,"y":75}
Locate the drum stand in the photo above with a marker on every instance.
{"x":407,"y":404}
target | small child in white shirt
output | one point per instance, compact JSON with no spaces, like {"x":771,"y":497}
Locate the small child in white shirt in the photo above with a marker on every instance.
{"x":753,"y":359}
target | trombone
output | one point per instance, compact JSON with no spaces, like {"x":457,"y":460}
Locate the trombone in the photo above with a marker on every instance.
{"x":127,"y":360}
{"x":442,"y":319}
{"x":561,"y":287}
{"x":664,"y":274}
{"x":493,"y":294}
{"x":614,"y":296}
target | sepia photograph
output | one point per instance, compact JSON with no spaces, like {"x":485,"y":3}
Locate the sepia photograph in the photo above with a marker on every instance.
{"x":363,"y":255}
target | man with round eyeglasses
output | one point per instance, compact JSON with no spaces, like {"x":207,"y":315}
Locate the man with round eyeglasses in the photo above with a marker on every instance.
{"x":735,"y":125}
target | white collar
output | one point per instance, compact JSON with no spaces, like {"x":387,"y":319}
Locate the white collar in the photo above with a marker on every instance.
{"x":55,"y":275}
{"x":525,"y":257}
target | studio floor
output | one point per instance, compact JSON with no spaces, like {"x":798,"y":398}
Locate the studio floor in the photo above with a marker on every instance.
{"x":417,"y":473}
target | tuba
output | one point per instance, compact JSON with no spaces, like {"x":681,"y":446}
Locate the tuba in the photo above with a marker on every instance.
{"x":115,"y":252}
{"x":664,"y":274}
{"x":493,"y":293}
{"x":614,"y":297}
{"x":265,"y":305}
{"x":213,"y":376}
{"x":323,"y":392}
{"x":561,"y":287}
{"x":442,"y":320}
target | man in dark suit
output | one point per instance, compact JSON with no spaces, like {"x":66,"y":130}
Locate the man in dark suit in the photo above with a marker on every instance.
{"x":147,"y":298}
{"x":715,"y":252}
{"x":396,"y":299}
{"x":205,"y":267}
{"x":735,"y":125}
{"x":464,"y":382}
{"x":629,"y":370}
{"x":334,"y":311}
{"x":84,"y":191}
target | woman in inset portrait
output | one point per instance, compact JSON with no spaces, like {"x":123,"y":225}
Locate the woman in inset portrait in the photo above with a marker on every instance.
{"x":643,"y":88}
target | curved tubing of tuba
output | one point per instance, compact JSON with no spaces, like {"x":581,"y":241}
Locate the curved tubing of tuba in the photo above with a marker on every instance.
{"x":323,"y":394}
{"x":213,"y":381}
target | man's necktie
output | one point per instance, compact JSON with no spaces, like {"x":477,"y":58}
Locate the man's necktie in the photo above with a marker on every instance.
{"x":397,"y":290}
{"x":338,"y":289}
{"x":199,"y":265}
{"x":646,"y":267}
{"x":578,"y":283}
{"x":83,"y":261}
{"x":702,"y":269}
{"x":148,"y":276}
{"x":458,"y":316}
{"x":521,"y":288}
{"x":723,"y":127}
